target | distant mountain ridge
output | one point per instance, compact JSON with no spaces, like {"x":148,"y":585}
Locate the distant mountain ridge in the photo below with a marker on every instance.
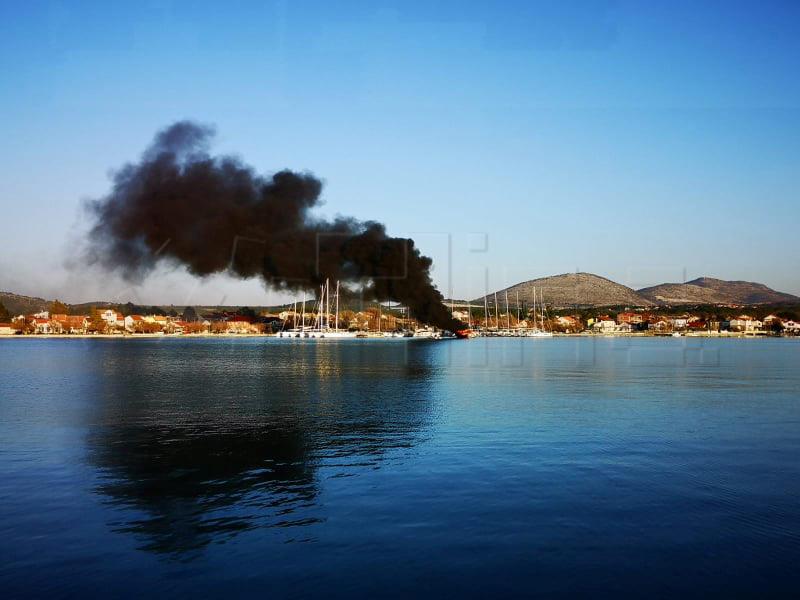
{"x":571,"y":289}
{"x":707,"y":290}
{"x":17,"y":304}
{"x":560,"y":291}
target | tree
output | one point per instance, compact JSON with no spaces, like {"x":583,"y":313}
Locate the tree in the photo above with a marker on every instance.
{"x":129,"y":308}
{"x":96,"y":322}
{"x":194,"y":327}
{"x":346,"y":319}
{"x":246,"y":311}
{"x":23,"y":325}
{"x":58,"y":308}
{"x":145,"y":327}
{"x":4,"y":314}
{"x":189,"y":314}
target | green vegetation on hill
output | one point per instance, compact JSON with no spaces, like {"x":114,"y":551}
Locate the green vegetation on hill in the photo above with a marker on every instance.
{"x":59,"y":308}
{"x":17,"y":304}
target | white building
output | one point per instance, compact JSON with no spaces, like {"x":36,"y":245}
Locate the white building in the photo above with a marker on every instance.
{"x":461,"y":315}
{"x":113,"y":318}
{"x":791,"y":326}
{"x":41,"y":325}
{"x":131,"y":322}
{"x":679,"y":322}
{"x":605,"y":326}
{"x":745,"y":323}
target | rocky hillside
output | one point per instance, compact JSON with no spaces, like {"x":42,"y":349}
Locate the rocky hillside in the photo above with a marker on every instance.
{"x":572,"y":289}
{"x":707,"y":290}
{"x":17,"y":304}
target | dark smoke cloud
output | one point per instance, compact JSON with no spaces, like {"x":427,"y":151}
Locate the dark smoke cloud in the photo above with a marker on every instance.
{"x":214,"y":213}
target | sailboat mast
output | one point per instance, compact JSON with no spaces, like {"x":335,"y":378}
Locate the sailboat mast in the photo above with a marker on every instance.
{"x":496,"y":312}
{"x":508,"y":313}
{"x":469,"y":314}
{"x":541,"y":323}
{"x":517,"y":309}
{"x":320,"y":306}
{"x":486,"y":310}
{"x":336,"y":324}
{"x":534,"y":307}
{"x":327,"y":304}
{"x":541,"y":307}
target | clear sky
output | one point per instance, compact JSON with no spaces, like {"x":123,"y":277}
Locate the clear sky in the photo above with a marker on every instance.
{"x":636,"y":140}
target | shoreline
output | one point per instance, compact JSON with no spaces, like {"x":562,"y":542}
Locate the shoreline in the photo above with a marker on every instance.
{"x":151,"y":336}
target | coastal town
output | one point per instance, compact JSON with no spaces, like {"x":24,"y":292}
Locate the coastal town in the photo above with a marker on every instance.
{"x":382,"y":321}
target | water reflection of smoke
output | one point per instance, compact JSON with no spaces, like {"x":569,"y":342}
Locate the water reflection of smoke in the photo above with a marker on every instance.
{"x":231,"y":438}
{"x":193,"y":486}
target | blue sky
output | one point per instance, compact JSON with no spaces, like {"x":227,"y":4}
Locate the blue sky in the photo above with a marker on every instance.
{"x":639,"y":141}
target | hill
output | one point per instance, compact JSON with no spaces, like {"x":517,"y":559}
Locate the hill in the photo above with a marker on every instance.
{"x":17,"y":304}
{"x":560,"y":291}
{"x":707,"y":290}
{"x":572,"y":289}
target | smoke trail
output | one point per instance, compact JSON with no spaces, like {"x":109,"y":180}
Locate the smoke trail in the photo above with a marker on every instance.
{"x":214,"y":213}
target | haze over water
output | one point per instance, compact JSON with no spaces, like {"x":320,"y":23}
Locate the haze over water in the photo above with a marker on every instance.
{"x":365,"y":468}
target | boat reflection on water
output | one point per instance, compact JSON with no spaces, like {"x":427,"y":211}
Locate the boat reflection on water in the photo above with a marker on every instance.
{"x":194,"y":446}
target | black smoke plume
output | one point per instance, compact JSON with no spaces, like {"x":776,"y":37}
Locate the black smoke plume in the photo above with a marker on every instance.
{"x":214,"y":214}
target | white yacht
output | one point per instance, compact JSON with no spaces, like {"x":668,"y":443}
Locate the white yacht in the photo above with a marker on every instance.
{"x":427,"y":332}
{"x":321,"y":327}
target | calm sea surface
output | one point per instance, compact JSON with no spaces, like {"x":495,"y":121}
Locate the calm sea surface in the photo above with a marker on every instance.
{"x":548,"y":467}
